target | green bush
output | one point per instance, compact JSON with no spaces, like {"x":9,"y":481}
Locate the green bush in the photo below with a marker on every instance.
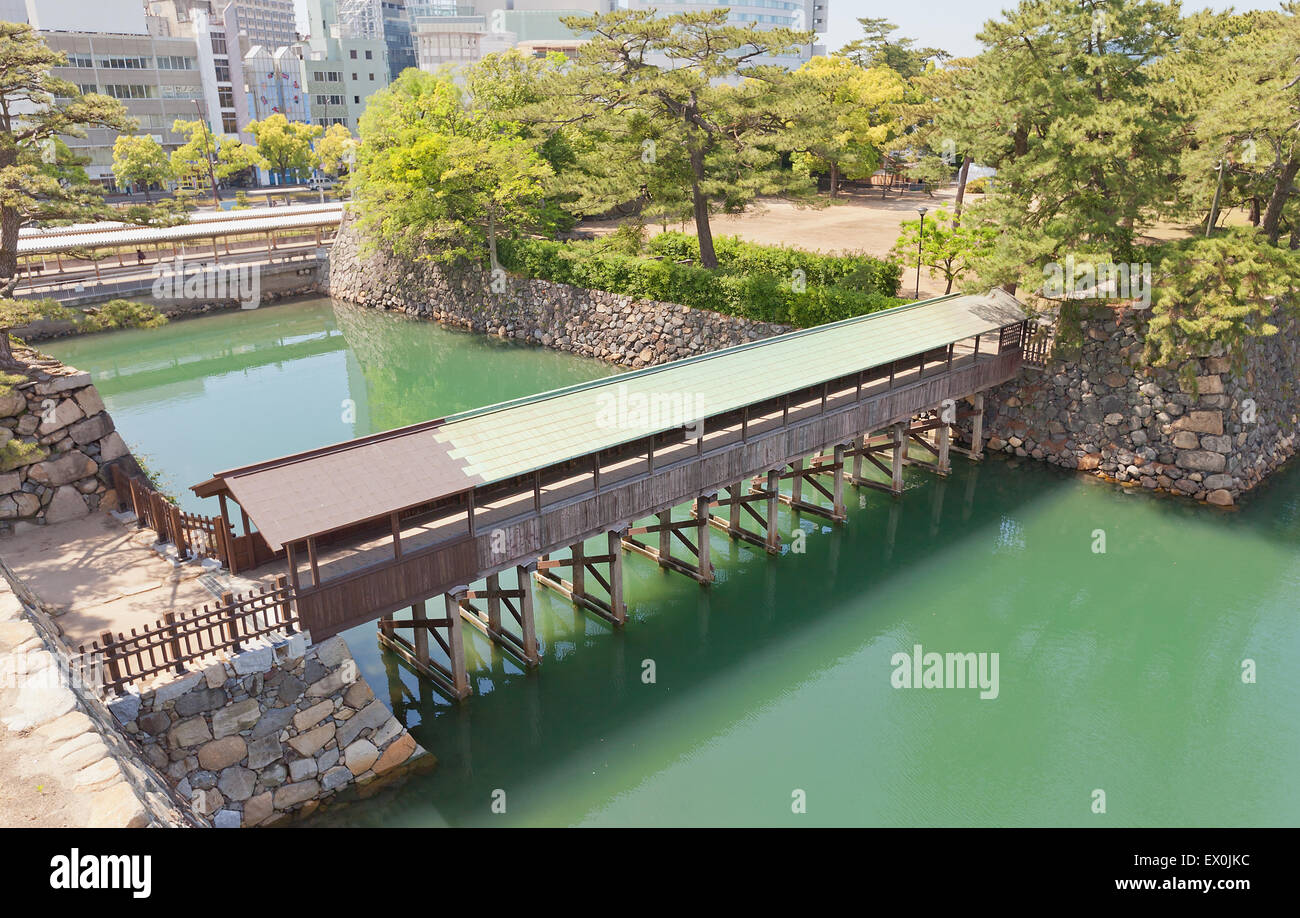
{"x":752,"y":281}
{"x":123,"y":314}
{"x":978,"y":186}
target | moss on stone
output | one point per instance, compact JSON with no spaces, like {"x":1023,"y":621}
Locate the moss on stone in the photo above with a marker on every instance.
{"x":18,"y":453}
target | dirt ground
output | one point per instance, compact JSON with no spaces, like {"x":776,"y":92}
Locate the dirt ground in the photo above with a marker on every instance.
{"x":97,"y":574}
{"x":853,"y":222}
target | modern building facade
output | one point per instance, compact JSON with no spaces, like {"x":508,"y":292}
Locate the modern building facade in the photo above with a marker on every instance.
{"x":346,"y":59}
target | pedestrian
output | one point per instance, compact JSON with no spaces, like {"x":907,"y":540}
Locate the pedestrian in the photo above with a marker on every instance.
{"x":139,"y":256}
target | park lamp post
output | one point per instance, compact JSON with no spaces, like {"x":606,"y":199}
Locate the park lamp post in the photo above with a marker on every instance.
{"x":920,"y":242}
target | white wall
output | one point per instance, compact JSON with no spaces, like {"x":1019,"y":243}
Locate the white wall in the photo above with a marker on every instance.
{"x":121,"y":16}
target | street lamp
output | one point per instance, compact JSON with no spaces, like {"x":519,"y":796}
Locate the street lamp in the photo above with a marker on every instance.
{"x":919,"y":242}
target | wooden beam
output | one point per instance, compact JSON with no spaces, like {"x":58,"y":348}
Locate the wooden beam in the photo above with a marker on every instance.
{"x":456,"y":647}
{"x":900,"y":456}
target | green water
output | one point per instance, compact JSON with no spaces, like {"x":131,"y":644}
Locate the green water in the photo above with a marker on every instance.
{"x":1118,"y":671}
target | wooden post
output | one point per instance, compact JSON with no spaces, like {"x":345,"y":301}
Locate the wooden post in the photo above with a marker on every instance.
{"x":899,"y":456}
{"x":579,"y":569}
{"x":977,"y":428}
{"x":174,"y":645}
{"x":110,"y":662}
{"x":665,"y":534}
{"x":232,"y":627}
{"x":494,"y":602}
{"x":226,"y":544}
{"x":283,"y":609}
{"x":293,"y":565}
{"x":702,"y":537}
{"x":456,"y":646}
{"x":859,"y":447}
{"x":944,"y":435}
{"x":733,"y":518}
{"x":178,"y":532}
{"x":397,"y":537}
{"x":796,"y":483}
{"x":837,"y":488}
{"x":311,"y":558}
{"x":528,"y":625}
{"x":420,"y":633}
{"x":617,"y":607}
{"x":773,"y":498}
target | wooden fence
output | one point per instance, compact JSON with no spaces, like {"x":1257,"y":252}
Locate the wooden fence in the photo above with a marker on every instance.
{"x":177,"y":640}
{"x":194,"y":536}
{"x":1037,"y":345}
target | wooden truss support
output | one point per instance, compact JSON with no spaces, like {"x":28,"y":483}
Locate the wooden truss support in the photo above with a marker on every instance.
{"x":582,"y":565}
{"x":941,"y":464}
{"x":798,"y":476}
{"x":869,"y":447}
{"x":518,"y":603}
{"x":976,"y":414}
{"x":702,"y":569}
{"x":738,"y":502}
{"x":451,"y":678}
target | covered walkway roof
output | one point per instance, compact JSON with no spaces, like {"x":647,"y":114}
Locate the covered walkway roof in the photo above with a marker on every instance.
{"x":137,"y":235}
{"x":321,"y":490}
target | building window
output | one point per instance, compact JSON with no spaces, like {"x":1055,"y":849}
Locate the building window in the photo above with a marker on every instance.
{"x":84,"y":88}
{"x":223,"y":72}
{"x":356,"y":100}
{"x":354,"y":77}
{"x":228,"y":123}
{"x":130,"y":91}
{"x":218,"y":44}
{"x":352,"y":54}
{"x":372,"y":77}
{"x":124,"y":63}
{"x":175,"y":62}
{"x":225,"y":98}
{"x":76,"y":61}
{"x":370,"y":55}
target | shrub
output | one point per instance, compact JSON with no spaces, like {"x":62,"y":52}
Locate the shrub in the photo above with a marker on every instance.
{"x":123,"y":314}
{"x":752,"y":281}
{"x":17,"y":453}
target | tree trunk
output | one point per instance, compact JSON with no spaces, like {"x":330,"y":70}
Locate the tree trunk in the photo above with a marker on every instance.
{"x":10,"y":220}
{"x":961,"y":191}
{"x":1281,"y":190}
{"x":708,"y":258}
{"x":835,"y":180}
{"x":1254,"y":212}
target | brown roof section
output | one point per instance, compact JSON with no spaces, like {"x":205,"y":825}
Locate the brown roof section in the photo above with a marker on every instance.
{"x":325,"y":489}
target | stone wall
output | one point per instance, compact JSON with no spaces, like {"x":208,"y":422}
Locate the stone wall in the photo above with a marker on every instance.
{"x":614,"y":327}
{"x":269,"y":733}
{"x":56,"y":442}
{"x":1211,"y":429}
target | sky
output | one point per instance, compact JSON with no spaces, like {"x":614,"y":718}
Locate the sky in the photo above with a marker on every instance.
{"x":952,"y":24}
{"x":947,"y":24}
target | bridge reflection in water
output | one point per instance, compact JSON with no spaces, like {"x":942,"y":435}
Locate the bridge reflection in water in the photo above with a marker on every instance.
{"x":383,"y":523}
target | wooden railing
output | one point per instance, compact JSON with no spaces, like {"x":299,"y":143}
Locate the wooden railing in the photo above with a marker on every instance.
{"x":1036,"y":347}
{"x":193,"y":535}
{"x":177,"y":640}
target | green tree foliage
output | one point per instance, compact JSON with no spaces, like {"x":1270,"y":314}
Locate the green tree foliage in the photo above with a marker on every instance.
{"x":285,"y":147}
{"x":844,"y":116}
{"x":38,"y":179}
{"x":1064,"y":103}
{"x":1225,"y":288}
{"x":679,"y":134}
{"x":139,"y":159}
{"x":336,"y":150}
{"x":877,"y":48}
{"x":205,"y":156}
{"x":15,"y":313}
{"x":435,"y":179}
{"x":947,"y":246}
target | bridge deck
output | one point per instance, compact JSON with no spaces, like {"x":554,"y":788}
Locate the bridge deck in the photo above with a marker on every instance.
{"x":388,"y":520}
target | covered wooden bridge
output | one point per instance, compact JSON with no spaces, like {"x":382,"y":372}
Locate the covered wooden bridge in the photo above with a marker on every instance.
{"x":386,"y":522}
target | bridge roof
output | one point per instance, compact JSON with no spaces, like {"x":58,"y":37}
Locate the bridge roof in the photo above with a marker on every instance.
{"x":325,"y":489}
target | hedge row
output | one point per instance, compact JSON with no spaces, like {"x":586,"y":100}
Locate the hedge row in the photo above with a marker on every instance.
{"x":752,"y":281}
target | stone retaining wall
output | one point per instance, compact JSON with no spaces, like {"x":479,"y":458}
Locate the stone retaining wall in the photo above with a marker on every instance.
{"x":1210,"y":430}
{"x":268,"y":733}
{"x":56,"y":443}
{"x":621,"y":329}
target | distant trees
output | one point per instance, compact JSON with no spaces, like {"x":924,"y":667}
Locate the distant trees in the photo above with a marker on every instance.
{"x":285,"y":147}
{"x":138,"y":159}
{"x":206,"y":157}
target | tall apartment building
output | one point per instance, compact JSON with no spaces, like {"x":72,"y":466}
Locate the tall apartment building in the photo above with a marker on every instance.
{"x":398,"y":37}
{"x":112,"y":50}
{"x":346,"y":58}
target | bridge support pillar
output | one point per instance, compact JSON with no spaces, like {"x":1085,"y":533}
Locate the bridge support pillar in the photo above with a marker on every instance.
{"x":519,"y":641}
{"x":977,"y":428}
{"x":738,"y":502}
{"x":899,"y":444}
{"x":702,"y":569}
{"x":452,"y":679}
{"x":832,"y":465}
{"x":581,"y":564}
